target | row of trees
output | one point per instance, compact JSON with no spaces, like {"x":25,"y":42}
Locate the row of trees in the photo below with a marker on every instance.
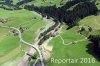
{"x":23,"y":2}
{"x":8,"y":4}
{"x":45,"y":37}
{"x":71,"y":3}
{"x":47,"y":34}
{"x":48,"y":30}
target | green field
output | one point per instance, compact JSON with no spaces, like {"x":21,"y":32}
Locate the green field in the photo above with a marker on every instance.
{"x":9,"y":44}
{"x":92,"y":21}
{"x":98,"y":1}
{"x":71,"y":51}
{"x":45,"y":2}
{"x":77,"y":50}
{"x":10,"y":52}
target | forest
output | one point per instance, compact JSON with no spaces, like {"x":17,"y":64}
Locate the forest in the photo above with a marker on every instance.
{"x":70,"y":13}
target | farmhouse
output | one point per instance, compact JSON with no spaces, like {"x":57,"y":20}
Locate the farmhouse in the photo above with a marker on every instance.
{"x":3,"y":20}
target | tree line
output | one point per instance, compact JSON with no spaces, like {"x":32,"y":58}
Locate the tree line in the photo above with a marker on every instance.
{"x":47,"y":33}
{"x":95,"y":45}
{"x":8,"y":4}
{"x":22,"y":2}
{"x":70,"y":13}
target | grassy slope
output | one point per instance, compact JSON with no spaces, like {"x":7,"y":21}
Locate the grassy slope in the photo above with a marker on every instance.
{"x":15,"y":1}
{"x":93,"y":21}
{"x":98,"y":1}
{"x":74,"y":51}
{"x":77,"y":51}
{"x":47,"y":2}
{"x":8,"y":43}
{"x":71,"y":51}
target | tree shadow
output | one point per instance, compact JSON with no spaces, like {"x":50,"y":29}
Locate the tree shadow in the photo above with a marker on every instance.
{"x":91,"y":51}
{"x":71,"y":16}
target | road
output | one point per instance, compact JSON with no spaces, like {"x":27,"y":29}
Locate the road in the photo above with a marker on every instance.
{"x":49,"y":23}
{"x":25,"y":61}
{"x":22,"y":41}
{"x":35,"y":46}
{"x":63,"y":42}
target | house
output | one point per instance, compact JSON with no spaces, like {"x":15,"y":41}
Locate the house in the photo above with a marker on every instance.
{"x":3,"y":20}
